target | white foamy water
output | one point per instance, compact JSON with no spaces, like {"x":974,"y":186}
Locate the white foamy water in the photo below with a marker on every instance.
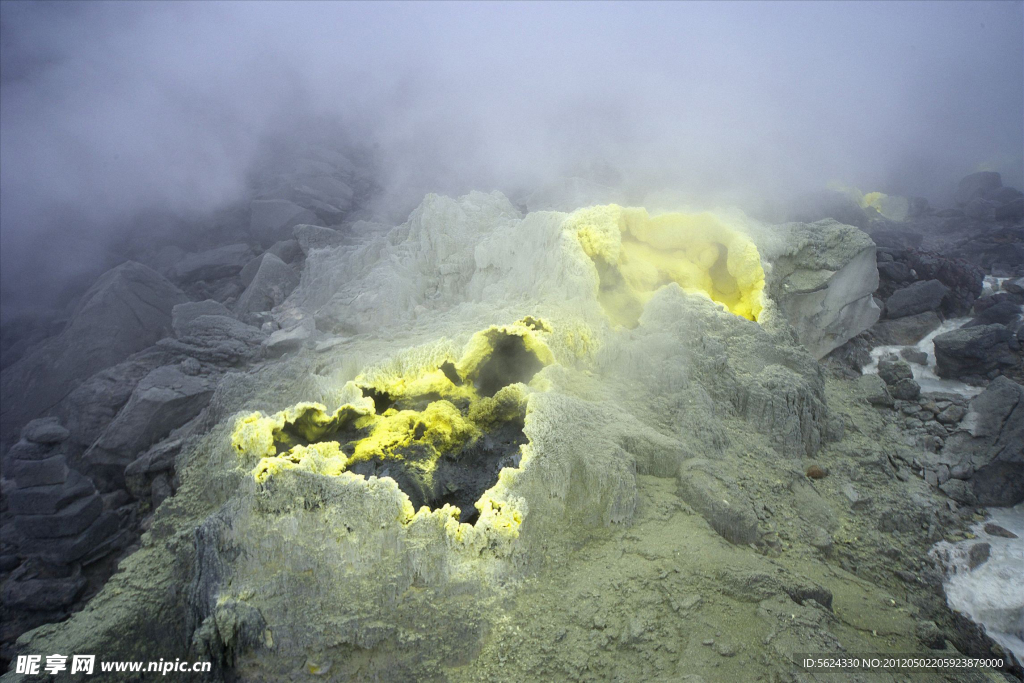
{"x":992,"y":284}
{"x":925,"y":375}
{"x":992,"y":594}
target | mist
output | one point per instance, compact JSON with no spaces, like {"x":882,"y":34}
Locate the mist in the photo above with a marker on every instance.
{"x":110,"y":112}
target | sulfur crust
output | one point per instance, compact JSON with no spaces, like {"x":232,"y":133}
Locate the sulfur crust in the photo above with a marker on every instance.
{"x":395,"y":434}
{"x":636,"y":254}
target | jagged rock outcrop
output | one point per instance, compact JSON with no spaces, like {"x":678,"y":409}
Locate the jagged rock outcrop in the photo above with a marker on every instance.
{"x":824,"y":285}
{"x":125,"y":311}
{"x":218,"y":340}
{"x":164,"y":399}
{"x":991,"y":444}
{"x":922,"y":296}
{"x":975,"y":354}
{"x":273,"y":282}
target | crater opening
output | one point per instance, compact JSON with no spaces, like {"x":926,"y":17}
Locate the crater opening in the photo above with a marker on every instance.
{"x":510,"y":362}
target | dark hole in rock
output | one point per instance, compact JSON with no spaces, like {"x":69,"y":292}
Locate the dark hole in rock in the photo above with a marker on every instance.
{"x":510,"y":362}
{"x":448,"y":368}
{"x":460,"y":477}
{"x":382,"y":400}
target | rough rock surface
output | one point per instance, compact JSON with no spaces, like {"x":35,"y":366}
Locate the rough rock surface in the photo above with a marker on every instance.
{"x":217,"y":339}
{"x":922,"y":296}
{"x":164,"y":399}
{"x":125,"y":311}
{"x":992,"y":443}
{"x":312,"y":237}
{"x":975,"y":354}
{"x":273,"y":282}
{"x":825,"y":284}
{"x":633,"y":436}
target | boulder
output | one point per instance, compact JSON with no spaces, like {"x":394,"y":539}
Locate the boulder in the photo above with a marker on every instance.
{"x":285,"y":341}
{"x":912,"y":354}
{"x":976,"y":185}
{"x":125,"y":311}
{"x":45,"y":430}
{"x":916,"y":298}
{"x":272,"y":283}
{"x":894,"y":271}
{"x":164,"y":399}
{"x":726,"y":508}
{"x":873,"y":390}
{"x":975,"y":353}
{"x":905,"y":390}
{"x":824,"y":284}
{"x":219,"y":340}
{"x":991,"y":441}
{"x":73,"y":519}
{"x":272,"y":219}
{"x":185,"y":313}
{"x":1015,"y":286}
{"x":67,"y":549}
{"x":1011,"y":211}
{"x":42,"y":594}
{"x":312,"y":237}
{"x":904,"y":331}
{"x":45,"y":500}
{"x":90,"y":408}
{"x":1001,"y":313}
{"x":892,"y":372}
{"x":46,"y":472}
{"x":214,"y":264}
{"x":964,"y":279}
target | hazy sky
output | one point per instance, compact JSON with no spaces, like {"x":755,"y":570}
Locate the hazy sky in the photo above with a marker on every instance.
{"x":107,"y":109}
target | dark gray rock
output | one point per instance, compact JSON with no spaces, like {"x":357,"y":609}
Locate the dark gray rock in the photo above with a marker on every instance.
{"x":71,"y":548}
{"x":1002,"y":313}
{"x":52,"y":470}
{"x":1014,"y":286}
{"x":978,"y":555}
{"x":45,"y":430}
{"x":914,"y":355}
{"x":894,"y":271}
{"x":218,"y":340}
{"x":977,"y":185}
{"x":1004,"y":195}
{"x":128,"y":309}
{"x":41,"y":594}
{"x":46,"y":500}
{"x":1011,"y":211}
{"x":951,"y":415}
{"x":992,"y":441}
{"x":183,"y":314}
{"x":905,"y":331}
{"x":95,"y":403}
{"x":916,"y":298}
{"x":271,"y":220}
{"x":996,"y":530}
{"x":975,"y":353}
{"x":272,"y":283}
{"x":139,"y":475}
{"x":164,"y":399}
{"x":892,"y":371}
{"x":905,"y":390}
{"x":69,"y":521}
{"x":25,"y":450}
{"x":213,"y":264}
{"x":981,"y":209}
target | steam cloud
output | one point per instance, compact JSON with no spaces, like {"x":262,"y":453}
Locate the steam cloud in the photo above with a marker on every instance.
{"x":108,"y":111}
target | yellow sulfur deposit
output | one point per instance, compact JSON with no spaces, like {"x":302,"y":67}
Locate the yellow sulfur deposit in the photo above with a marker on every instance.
{"x":415,"y":418}
{"x":635,"y":254}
